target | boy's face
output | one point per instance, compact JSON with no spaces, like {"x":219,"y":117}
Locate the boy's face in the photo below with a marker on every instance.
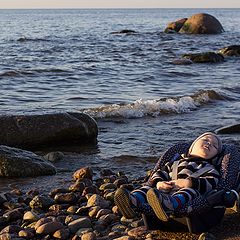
{"x":205,"y":147}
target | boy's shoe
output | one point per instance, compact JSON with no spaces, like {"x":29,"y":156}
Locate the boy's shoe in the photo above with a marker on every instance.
{"x":123,"y":202}
{"x":231,"y":199}
{"x":160,"y":203}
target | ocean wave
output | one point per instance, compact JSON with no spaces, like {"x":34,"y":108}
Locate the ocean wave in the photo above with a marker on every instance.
{"x":156,"y":107}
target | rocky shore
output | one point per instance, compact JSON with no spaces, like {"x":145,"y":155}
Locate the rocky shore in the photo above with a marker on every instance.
{"x":85,"y":210}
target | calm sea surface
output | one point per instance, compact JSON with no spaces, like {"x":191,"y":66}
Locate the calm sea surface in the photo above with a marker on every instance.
{"x":68,"y":60}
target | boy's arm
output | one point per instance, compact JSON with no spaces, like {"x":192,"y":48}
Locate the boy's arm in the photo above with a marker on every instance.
{"x":158,"y":176}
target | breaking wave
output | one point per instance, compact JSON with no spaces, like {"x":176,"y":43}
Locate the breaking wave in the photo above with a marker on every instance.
{"x":141,"y":108}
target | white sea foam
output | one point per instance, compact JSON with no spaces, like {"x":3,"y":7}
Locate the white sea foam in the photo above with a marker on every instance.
{"x":155,"y":107}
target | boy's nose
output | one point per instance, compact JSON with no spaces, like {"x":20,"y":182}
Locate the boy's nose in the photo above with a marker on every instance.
{"x":208,"y":143}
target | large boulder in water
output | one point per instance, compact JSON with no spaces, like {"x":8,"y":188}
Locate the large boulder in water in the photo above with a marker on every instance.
{"x":19,"y":163}
{"x":48,"y":129}
{"x":202,"y":23}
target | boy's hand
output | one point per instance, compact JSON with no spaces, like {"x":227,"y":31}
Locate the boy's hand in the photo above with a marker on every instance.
{"x":166,"y":186}
{"x":182,"y":183}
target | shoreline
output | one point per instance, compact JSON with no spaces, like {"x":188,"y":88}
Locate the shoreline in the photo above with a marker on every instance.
{"x":91,"y":200}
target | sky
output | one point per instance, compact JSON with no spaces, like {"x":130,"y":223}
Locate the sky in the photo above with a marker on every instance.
{"x":119,"y":4}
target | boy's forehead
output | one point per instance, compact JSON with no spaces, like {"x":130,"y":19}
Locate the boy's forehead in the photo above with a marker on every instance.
{"x":209,"y":136}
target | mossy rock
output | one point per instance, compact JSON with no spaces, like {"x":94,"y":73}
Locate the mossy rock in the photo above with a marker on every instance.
{"x":233,"y":50}
{"x":202,"y":23}
{"x":207,"y":57}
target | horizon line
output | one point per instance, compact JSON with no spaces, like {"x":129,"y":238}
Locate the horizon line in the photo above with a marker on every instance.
{"x":56,"y":8}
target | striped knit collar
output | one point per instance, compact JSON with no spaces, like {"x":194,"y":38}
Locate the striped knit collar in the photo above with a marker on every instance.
{"x":214,"y":160}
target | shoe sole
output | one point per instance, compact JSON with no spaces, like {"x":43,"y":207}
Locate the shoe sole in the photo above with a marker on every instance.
{"x":156,"y":205}
{"x":122,"y":201}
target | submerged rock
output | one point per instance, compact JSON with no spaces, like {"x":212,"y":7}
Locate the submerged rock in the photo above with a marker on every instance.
{"x":19,"y":163}
{"x":47,"y":129}
{"x":207,"y":57}
{"x":182,"y":62}
{"x":124,"y":31}
{"x":54,"y":156}
{"x":233,"y":50}
{"x":200,"y":23}
{"x":229,"y":129}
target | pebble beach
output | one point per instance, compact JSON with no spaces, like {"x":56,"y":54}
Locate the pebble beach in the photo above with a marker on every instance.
{"x":84,"y":209}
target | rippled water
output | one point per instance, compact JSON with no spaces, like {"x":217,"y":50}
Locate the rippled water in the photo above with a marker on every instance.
{"x":68,"y":60}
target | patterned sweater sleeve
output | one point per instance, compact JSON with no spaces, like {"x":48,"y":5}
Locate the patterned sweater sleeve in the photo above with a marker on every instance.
{"x":159,"y":175}
{"x":207,"y":181}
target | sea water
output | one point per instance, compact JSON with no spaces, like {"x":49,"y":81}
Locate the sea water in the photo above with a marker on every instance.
{"x":69,"y":60}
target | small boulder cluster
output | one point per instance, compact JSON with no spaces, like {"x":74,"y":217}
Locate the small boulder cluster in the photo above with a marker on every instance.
{"x":85,"y":210}
{"x":200,"y":23}
{"x":209,"y":57}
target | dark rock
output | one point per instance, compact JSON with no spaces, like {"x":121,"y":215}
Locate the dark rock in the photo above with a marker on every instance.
{"x":32,"y":192}
{"x":11,"y":229}
{"x":19,"y":163}
{"x":49,"y":129}
{"x":107,"y":186}
{"x":22,"y":39}
{"x":120,"y":181}
{"x":136,"y":232}
{"x":42,"y":221}
{"x":182,"y":62}
{"x":202,"y":23}
{"x":233,"y":50}
{"x":3,"y":222}
{"x":87,"y":182}
{"x":58,"y":190}
{"x":65,"y":198}
{"x":124,"y":31}
{"x":54,"y":156}
{"x":13,"y":215}
{"x":90,"y":189}
{"x":30,"y":216}
{"x":106,"y":172}
{"x":59,"y":207}
{"x":85,"y":172}
{"x":229,"y":129}
{"x":2,"y":200}
{"x":62,"y":234}
{"x":8,"y":236}
{"x":41,"y":201}
{"x":82,"y":222}
{"x":207,"y":57}
{"x":49,"y":228}
{"x":77,"y":187}
{"x":175,"y":26}
{"x":26,"y":234}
